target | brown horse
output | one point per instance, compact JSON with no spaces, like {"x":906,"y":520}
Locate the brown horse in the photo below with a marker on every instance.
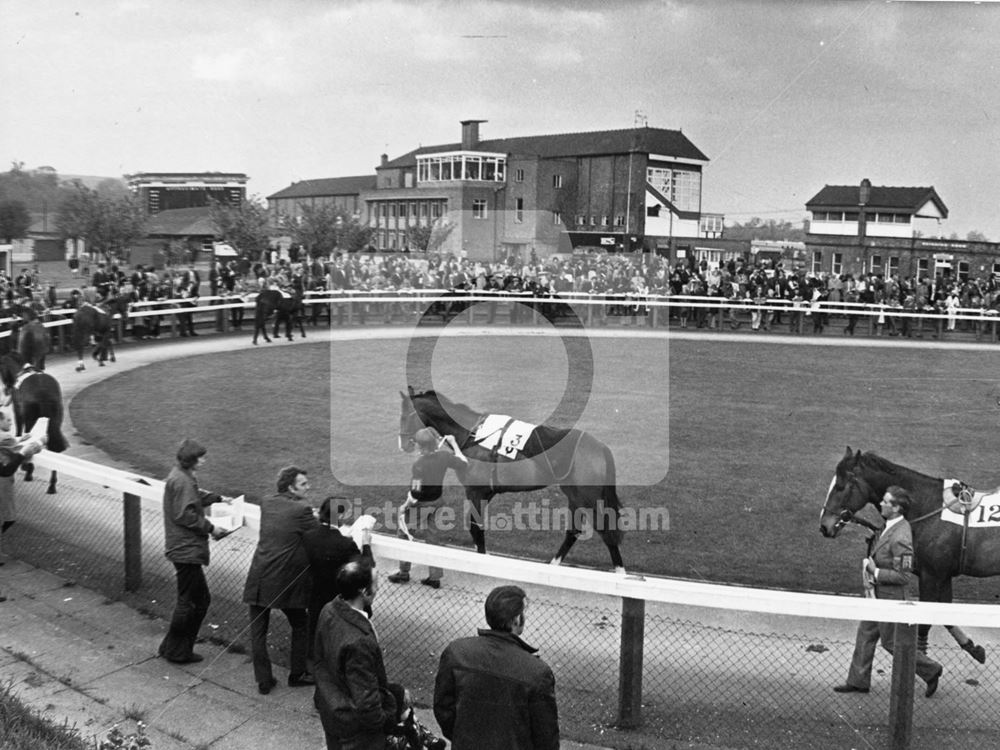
{"x":942,"y":549}
{"x":98,"y":321}
{"x":35,"y":394}
{"x":581,"y":465}
{"x":289,"y":309}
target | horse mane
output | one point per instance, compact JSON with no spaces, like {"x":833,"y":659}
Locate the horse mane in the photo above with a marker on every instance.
{"x":447,"y":407}
{"x":886,"y":466}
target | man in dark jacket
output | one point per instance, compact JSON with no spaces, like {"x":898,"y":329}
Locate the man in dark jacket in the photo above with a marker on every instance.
{"x":186,"y":531}
{"x":352,"y":691}
{"x":279,"y":578}
{"x":491,"y":691}
{"x":328,"y":551}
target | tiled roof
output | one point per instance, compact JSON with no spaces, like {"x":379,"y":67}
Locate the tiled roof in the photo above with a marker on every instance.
{"x":641,"y":140}
{"x":327,"y":186}
{"x":183,"y":222}
{"x":846,"y":197}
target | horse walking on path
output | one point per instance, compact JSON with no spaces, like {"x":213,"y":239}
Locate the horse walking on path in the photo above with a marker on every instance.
{"x":290,"y":309}
{"x":581,"y":465}
{"x":98,"y":321}
{"x":35,"y":394}
{"x":968,"y":545}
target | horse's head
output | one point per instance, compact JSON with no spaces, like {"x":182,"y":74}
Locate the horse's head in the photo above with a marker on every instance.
{"x":849,"y":492}
{"x":409,"y":421}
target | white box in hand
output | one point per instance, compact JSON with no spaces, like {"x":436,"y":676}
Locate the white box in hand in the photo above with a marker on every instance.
{"x":227,"y":516}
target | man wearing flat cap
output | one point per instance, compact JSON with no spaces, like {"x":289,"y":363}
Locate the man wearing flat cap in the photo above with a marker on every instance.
{"x":187,"y":531}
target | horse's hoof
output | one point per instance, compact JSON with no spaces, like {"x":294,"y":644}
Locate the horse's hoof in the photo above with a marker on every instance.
{"x":113,"y":359}
{"x":100,"y":364}
{"x":555,"y":561}
{"x":80,"y":368}
{"x":50,"y":491}
{"x":255,"y":343}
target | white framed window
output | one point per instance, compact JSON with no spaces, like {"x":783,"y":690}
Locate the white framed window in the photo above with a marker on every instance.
{"x":479,"y":208}
{"x":593,"y":221}
{"x":518,"y":175}
{"x":963,"y":270}
{"x":620,"y":220}
{"x":519,"y":210}
{"x":924,"y":268}
{"x":581,"y":220}
{"x":557,"y":180}
{"x":557,"y":217}
{"x":876,"y":264}
{"x":817,"y":261}
{"x":893,"y":269}
{"x":837,"y":264}
{"x":604,"y":221}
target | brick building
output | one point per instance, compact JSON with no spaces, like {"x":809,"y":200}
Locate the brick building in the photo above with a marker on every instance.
{"x":877,"y":229}
{"x":633,"y":189}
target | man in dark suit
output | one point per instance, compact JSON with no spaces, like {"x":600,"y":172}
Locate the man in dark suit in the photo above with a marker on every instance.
{"x":887,"y":572}
{"x":279,"y":578}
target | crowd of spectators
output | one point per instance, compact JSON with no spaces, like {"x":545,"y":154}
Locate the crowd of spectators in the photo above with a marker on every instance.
{"x":771,"y":295}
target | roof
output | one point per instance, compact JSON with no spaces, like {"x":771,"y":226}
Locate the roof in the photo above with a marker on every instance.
{"x":642,"y":140}
{"x":185,"y":222}
{"x":848,"y":197}
{"x":327,"y":186}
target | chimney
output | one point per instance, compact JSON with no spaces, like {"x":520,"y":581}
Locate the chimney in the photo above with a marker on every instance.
{"x":385,"y":160}
{"x":470,"y":134}
{"x":865,"y":193}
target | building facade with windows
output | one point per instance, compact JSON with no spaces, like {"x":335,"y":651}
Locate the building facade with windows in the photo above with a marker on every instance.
{"x":342,"y":193}
{"x":620,"y":190}
{"x":862,"y":228}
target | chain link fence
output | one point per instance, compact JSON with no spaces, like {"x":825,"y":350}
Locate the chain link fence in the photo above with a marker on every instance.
{"x":717,"y":676}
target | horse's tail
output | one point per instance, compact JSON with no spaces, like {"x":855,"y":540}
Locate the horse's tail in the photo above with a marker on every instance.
{"x":612,"y":532}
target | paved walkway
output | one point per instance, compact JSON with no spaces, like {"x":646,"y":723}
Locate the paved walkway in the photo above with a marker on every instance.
{"x":79,"y":658}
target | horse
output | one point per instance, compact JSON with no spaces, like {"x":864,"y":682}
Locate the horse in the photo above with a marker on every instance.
{"x":942,"y":550}
{"x":289,"y":309}
{"x":581,"y":465}
{"x":98,"y":321}
{"x":35,"y":394}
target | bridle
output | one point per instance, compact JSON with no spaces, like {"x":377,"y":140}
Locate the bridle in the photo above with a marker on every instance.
{"x":406,"y":420}
{"x":847,"y":515}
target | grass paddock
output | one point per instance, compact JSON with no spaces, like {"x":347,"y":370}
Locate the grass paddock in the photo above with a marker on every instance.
{"x":738,"y":440}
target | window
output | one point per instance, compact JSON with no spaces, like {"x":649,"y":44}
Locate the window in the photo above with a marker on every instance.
{"x":893,"y":269}
{"x":996,"y":268}
{"x":923,"y":268}
{"x":620,"y":220}
{"x":479,"y":208}
{"x":461,"y":166}
{"x":413,"y":210}
{"x":408,"y":179}
{"x":876,"y":264}
{"x":593,"y":221}
{"x":963,"y":270}
{"x":604,"y":220}
{"x":436,"y":210}
{"x":681,"y":187}
{"x":519,"y":210}
{"x":817,"y":262}
{"x":518,"y":175}
{"x":423,"y":210}
{"x":557,"y":217}
{"x":837,"y":265}
{"x":557,"y":180}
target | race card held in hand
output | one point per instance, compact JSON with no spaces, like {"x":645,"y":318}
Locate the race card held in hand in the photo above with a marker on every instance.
{"x":40,"y":430}
{"x":228,"y":516}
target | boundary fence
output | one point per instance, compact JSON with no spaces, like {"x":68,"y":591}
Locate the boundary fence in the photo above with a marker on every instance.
{"x":348,"y":307}
{"x":638,"y":662}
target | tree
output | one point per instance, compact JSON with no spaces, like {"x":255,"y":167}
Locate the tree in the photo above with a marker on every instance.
{"x":108,"y":224}
{"x":758,"y":229}
{"x":317,"y":229}
{"x":246,"y":227}
{"x":38,"y":191}
{"x":976,"y":236}
{"x":419,"y":237}
{"x":354,"y":236}
{"x":14,"y":220}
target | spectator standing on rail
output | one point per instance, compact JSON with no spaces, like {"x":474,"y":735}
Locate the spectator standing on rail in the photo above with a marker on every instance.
{"x":491,"y":691}
{"x":279,"y":578}
{"x":186,"y":531}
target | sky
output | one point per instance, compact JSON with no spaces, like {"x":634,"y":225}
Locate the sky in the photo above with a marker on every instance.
{"x":783,"y":97}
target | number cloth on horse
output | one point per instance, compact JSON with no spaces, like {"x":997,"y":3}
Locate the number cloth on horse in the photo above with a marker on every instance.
{"x":506,"y":435}
{"x":962,"y":504}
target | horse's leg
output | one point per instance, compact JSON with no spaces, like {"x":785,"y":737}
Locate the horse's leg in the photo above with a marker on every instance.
{"x":976,"y":652}
{"x":476,"y":530}
{"x":932,"y":589}
{"x":52,"y":484}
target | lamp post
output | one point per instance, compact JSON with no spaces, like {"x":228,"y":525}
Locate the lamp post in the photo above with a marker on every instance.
{"x":864,"y":195}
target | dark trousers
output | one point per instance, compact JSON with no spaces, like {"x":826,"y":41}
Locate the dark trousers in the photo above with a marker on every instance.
{"x":260,"y":620}
{"x":192,"y":606}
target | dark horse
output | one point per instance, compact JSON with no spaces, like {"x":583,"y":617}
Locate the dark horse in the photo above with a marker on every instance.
{"x":98,"y":321}
{"x":289,"y":309}
{"x":35,"y":394}
{"x":942,"y":550}
{"x":582,"y":466}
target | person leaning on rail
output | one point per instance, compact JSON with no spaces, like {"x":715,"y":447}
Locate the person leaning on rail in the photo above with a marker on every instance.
{"x":887,"y":572}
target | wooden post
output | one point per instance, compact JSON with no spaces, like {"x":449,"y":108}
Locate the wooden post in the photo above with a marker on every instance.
{"x":904,"y":660}
{"x":133,"y":541}
{"x":630,"y":663}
